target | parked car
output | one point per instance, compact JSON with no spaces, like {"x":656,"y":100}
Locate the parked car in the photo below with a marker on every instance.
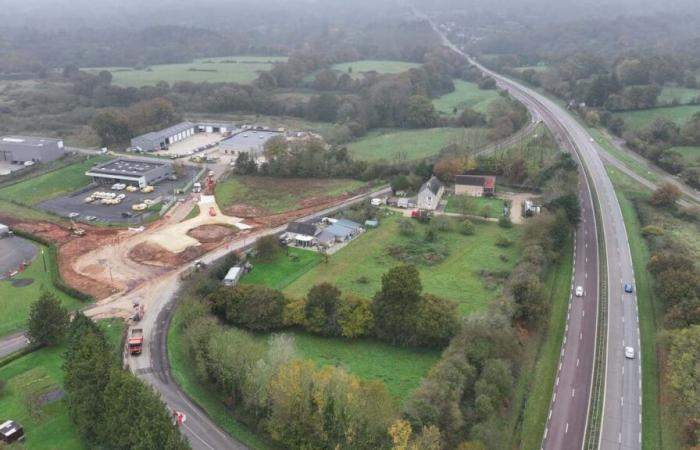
{"x":90,"y":218}
{"x":629,"y":352}
{"x":73,"y":215}
{"x":579,"y":291}
{"x":127,"y":214}
{"x":628,"y":288}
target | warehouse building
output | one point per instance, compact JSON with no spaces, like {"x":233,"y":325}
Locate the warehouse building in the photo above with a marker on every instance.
{"x":160,"y":140}
{"x":248,"y":141}
{"x":21,"y":149}
{"x":138,"y":172}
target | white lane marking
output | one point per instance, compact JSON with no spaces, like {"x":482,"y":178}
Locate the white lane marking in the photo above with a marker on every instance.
{"x":583,"y":313}
{"x":557,"y":382}
{"x":573,"y":392}
{"x":619,"y":438}
{"x":567,"y":428}
{"x":622,"y":401}
{"x":577,"y":361}
{"x":554,"y":398}
{"x":580,"y":336}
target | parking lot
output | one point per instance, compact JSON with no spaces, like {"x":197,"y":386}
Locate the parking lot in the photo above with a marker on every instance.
{"x":13,"y":252}
{"x":121,"y":213}
{"x":191,"y":144}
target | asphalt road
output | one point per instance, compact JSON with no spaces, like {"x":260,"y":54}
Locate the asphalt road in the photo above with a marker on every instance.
{"x":12,"y":344}
{"x":622,"y":419}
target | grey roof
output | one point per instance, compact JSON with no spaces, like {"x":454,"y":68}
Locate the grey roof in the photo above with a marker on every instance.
{"x":348,"y":224}
{"x":433,"y":185}
{"x":167,"y":132}
{"x":17,"y":142}
{"x":469,"y":180}
{"x":302,"y":228}
{"x":325,"y":237}
{"x":123,"y":166}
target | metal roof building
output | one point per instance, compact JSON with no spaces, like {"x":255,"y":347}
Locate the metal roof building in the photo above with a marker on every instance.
{"x":134,"y":171}
{"x":160,"y":140}
{"x":20,"y":149}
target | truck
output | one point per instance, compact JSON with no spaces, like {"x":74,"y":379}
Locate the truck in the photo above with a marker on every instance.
{"x":421,"y":215}
{"x":138,"y":312}
{"x":135,"y":341}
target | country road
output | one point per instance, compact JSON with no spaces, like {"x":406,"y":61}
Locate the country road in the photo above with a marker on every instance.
{"x":622,"y":402}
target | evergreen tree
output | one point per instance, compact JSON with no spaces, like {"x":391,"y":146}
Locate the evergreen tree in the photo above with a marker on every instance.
{"x":396,"y":304}
{"x":48,"y":320}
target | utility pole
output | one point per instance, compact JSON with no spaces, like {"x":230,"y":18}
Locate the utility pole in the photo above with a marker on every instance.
{"x":43,"y":258}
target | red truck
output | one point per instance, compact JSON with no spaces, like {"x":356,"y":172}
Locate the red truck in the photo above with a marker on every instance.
{"x":136,"y":341}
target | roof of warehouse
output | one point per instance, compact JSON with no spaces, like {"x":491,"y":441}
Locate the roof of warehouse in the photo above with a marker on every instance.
{"x":29,"y":141}
{"x":122,"y":166}
{"x":167,"y":132}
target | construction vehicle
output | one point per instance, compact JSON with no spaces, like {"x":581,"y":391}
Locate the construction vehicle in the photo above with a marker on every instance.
{"x":131,"y":189}
{"x":147,"y":189}
{"x":135,"y":341}
{"x":138,"y":312}
{"x":76,"y":230}
{"x":197,"y":187}
{"x":139,"y":207}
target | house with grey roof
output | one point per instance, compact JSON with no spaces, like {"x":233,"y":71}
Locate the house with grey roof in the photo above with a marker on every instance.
{"x":430,"y":194}
{"x":21,"y":149}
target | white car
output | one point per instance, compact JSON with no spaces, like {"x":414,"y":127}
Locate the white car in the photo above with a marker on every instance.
{"x":579,"y":291}
{"x":73,"y":215}
{"x":629,"y":352}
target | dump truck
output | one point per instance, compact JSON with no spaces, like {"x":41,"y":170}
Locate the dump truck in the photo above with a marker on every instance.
{"x":136,"y":341}
{"x":138,"y":312}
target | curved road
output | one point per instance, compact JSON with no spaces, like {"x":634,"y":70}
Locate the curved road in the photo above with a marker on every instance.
{"x":622,"y":403}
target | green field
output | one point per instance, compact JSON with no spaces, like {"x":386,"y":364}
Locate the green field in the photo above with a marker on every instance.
{"x":691,"y":155}
{"x":67,"y":179}
{"x":281,"y":271}
{"x":466,"y":94}
{"x":233,"y":69}
{"x":641,"y":118}
{"x":359,"y":267}
{"x":400,"y":368}
{"x":682,"y":95}
{"x":46,"y":425}
{"x":379,"y":66}
{"x":16,"y":301}
{"x":410,"y":145}
{"x":476,"y":206}
{"x":278,"y":195}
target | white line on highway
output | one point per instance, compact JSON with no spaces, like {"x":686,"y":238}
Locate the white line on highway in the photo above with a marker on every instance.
{"x":622,"y":401}
{"x":619,"y":438}
{"x":554,"y":397}
{"x":567,"y":428}
{"x":557,"y":382}
{"x":583,"y":313}
{"x":573,"y":392}
{"x":580,"y":336}
{"x":577,"y":361}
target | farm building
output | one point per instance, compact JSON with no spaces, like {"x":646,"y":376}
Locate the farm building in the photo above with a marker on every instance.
{"x":475,"y":185}
{"x":249,"y":141}
{"x":430,"y":194}
{"x":21,"y":149}
{"x":140,"y":172}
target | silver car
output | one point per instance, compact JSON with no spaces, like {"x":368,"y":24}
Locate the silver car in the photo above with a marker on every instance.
{"x":629,"y":352}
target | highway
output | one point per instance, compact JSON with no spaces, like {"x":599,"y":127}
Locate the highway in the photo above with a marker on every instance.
{"x":622,"y":403}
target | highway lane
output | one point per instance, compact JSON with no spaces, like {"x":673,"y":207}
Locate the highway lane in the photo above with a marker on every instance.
{"x":622,"y":403}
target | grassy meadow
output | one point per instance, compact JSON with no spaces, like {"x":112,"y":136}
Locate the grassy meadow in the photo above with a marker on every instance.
{"x":466,"y":94}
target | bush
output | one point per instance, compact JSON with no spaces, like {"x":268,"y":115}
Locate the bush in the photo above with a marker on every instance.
{"x":503,"y":242}
{"x":254,"y":307}
{"x":442,"y":223}
{"x":267,"y":247}
{"x":437,"y":321}
{"x":406,"y":227}
{"x":466,"y":228}
{"x":355,"y":316}
{"x":504,"y":222}
{"x":652,"y":230}
{"x":293,"y":312}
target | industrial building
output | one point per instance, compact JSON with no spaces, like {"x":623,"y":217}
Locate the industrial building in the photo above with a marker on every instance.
{"x":140,"y":172}
{"x":248,"y":141}
{"x":161,"y":140}
{"x":21,"y":149}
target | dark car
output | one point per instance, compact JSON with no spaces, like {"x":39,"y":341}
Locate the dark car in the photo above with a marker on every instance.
{"x":127,"y":215}
{"x":628,"y":288}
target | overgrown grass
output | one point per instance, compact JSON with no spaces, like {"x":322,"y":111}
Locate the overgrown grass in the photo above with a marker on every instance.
{"x":396,"y":145}
{"x":359,"y":267}
{"x":10,"y":209}
{"x":16,"y":301}
{"x":539,"y":395}
{"x":278,"y":195}
{"x":466,"y":94}
{"x":283,"y":269}
{"x":233,"y":69}
{"x":210,"y":401}
{"x":691,"y":155}
{"x":681,"y":95}
{"x":35,"y":190}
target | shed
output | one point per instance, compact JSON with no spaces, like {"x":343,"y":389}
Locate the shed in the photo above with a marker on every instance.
{"x":232,"y":276}
{"x":11,"y":431}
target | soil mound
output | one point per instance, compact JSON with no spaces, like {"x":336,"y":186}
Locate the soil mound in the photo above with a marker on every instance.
{"x":155,"y":255}
{"x":207,"y":234}
{"x":245,"y":211}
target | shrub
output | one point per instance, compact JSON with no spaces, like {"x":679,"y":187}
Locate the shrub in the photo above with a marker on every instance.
{"x":503,"y":242}
{"x":254,"y":307}
{"x":267,"y":247}
{"x":442,"y":223}
{"x":504,"y":222}
{"x":406,"y":227}
{"x":355,"y":316}
{"x":652,"y":230}
{"x":320,"y":310}
{"x":466,"y":228}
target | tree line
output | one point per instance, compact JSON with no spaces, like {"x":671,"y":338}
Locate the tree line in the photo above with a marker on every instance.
{"x":110,"y":407}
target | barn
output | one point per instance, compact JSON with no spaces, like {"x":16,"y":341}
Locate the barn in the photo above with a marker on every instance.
{"x":21,"y":149}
